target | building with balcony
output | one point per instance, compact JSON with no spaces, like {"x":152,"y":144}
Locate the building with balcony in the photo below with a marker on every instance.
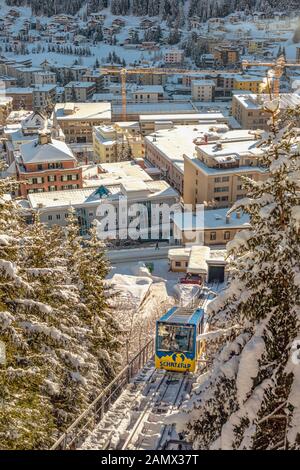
{"x":78,"y":119}
{"x":174,"y":56}
{"x":213,"y":174}
{"x":47,"y":165}
{"x":165,"y":149}
{"x":248,"y":109}
{"x":112,"y":143}
{"x":79,"y":91}
{"x":227,"y":55}
{"x":203,"y":90}
{"x":22,"y":98}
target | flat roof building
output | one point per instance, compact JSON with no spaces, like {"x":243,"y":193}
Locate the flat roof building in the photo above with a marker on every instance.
{"x":78,"y":119}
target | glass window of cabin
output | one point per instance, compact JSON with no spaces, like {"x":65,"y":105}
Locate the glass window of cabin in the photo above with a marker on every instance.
{"x":175,"y":338}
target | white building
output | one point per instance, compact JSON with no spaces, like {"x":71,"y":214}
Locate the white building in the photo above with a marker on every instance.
{"x":44,"y":77}
{"x":148,"y":94}
{"x":54,"y":208}
{"x":174,"y":56}
{"x":203,"y":90}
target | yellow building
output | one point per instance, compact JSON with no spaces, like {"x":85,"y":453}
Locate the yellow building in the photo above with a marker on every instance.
{"x":213,"y":175}
{"x":112,"y":143}
{"x":248,"y":83}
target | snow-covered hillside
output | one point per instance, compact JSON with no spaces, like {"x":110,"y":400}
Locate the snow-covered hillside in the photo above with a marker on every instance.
{"x":165,"y":8}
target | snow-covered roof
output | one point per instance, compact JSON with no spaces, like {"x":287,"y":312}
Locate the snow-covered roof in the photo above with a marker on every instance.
{"x":210,"y":219}
{"x":93,"y":196}
{"x":33,"y":152}
{"x":83,"y":111}
{"x":175,"y":142}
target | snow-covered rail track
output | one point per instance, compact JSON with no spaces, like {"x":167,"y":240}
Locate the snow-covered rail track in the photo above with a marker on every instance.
{"x":136,"y":420}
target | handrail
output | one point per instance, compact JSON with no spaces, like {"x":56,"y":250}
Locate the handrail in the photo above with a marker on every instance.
{"x":127,"y":373}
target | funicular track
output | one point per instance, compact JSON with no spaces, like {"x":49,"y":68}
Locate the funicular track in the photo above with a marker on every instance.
{"x":130,"y":414}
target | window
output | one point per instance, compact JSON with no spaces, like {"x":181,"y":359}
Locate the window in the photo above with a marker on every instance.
{"x":175,"y":338}
{"x":52,"y":178}
{"x":213,"y":236}
{"x":52,"y":188}
{"x":223,"y":189}
{"x":40,"y":167}
{"x":58,"y":216}
{"x":177,"y":264}
{"x":226,"y":235}
{"x":49,"y":217}
{"x":225,"y":179}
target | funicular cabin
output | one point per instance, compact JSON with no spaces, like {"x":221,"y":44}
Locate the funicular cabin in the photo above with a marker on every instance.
{"x":177,"y":346}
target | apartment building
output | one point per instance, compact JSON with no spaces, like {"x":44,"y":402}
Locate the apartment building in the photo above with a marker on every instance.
{"x":203,"y":90}
{"x":7,"y":82}
{"x":79,"y":91}
{"x":174,"y":56}
{"x":6,"y":106}
{"x":112,"y":143}
{"x":26,"y":75}
{"x":95,"y":76}
{"x":46,"y":165}
{"x":248,"y":83}
{"x":44,"y":97}
{"x":22,"y":98}
{"x":44,"y":77}
{"x":248,"y":109}
{"x":213,"y":175}
{"x":87,"y":201}
{"x":227,"y":55}
{"x":165,"y":149}
{"x":147,"y":94}
{"x":78,"y":119}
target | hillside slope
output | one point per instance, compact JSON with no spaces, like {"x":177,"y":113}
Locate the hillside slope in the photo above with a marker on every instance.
{"x":167,"y":9}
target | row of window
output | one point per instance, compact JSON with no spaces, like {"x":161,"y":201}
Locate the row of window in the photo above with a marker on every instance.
{"x":223,"y":179}
{"x":52,"y":178}
{"x":213,"y":236}
{"x":53,"y":188}
{"x":66,"y":215}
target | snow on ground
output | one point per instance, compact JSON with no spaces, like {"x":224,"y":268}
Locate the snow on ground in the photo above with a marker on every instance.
{"x":160,"y":273}
{"x":242,"y":29}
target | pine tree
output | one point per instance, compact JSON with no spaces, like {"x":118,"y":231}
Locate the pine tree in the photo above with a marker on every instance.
{"x":88,"y":268}
{"x":25,"y":414}
{"x":249,"y":397}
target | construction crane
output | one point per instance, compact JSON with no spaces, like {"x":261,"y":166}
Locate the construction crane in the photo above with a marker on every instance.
{"x":124,"y":72}
{"x":278,"y":68}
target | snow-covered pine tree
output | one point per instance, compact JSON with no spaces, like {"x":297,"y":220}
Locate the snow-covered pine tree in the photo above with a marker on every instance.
{"x":88,"y":268}
{"x":249,"y":398}
{"x":25,"y":414}
{"x":54,"y":327}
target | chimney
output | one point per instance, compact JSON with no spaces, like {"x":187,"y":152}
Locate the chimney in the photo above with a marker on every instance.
{"x":44,"y":138}
{"x":228,"y":219}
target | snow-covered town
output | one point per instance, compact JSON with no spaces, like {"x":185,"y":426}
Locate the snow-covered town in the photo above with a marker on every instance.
{"x":149,"y":225}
